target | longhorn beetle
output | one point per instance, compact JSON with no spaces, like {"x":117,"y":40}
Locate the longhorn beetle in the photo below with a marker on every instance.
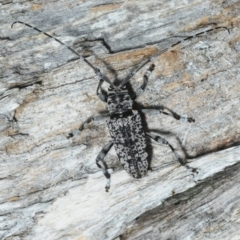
{"x":125,"y":124}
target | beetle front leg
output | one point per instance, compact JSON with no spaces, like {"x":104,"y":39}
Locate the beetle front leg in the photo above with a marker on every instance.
{"x":168,"y":112}
{"x":102,"y":96}
{"x":163,"y":141}
{"x":102,"y":165}
{"x":141,"y":89}
{"x":96,"y":118}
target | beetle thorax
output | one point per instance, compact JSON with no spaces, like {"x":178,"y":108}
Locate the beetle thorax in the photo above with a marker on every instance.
{"x":119,"y":101}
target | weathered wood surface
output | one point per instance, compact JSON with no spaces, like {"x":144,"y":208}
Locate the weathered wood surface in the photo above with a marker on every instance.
{"x":50,"y":185}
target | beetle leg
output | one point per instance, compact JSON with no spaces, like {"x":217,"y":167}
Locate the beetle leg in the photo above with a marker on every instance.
{"x":102,"y":165}
{"x":166,"y":111}
{"x":96,"y":118}
{"x":141,"y":89}
{"x":165,"y":142}
{"x":101,"y":95}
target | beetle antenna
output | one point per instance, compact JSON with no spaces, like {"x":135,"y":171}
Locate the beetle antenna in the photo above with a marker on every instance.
{"x":166,"y":49}
{"x":96,"y":70}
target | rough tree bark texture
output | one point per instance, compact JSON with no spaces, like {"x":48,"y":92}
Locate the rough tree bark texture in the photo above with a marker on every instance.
{"x":50,"y":187}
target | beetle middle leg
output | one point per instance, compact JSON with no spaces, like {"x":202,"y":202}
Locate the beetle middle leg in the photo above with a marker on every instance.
{"x":102,"y":165}
{"x":163,"y":141}
{"x":96,"y":118}
{"x":168,"y":112}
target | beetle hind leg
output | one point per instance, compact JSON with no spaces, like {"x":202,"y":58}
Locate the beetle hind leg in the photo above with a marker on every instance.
{"x":163,"y":141}
{"x":102,"y":165}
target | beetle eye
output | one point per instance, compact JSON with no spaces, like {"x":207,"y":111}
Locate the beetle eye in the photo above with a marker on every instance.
{"x":110,"y":88}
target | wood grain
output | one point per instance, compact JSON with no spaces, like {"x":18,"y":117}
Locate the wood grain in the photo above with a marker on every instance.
{"x":50,"y":185}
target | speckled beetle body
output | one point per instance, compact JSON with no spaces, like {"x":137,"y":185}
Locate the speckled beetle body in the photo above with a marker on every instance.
{"x":128,"y":136}
{"x":129,"y":140}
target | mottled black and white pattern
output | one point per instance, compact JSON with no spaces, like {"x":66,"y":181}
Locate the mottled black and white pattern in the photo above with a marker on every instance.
{"x":130,"y":143}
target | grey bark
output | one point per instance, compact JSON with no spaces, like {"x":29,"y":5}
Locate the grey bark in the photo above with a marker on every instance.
{"x":50,"y":185}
